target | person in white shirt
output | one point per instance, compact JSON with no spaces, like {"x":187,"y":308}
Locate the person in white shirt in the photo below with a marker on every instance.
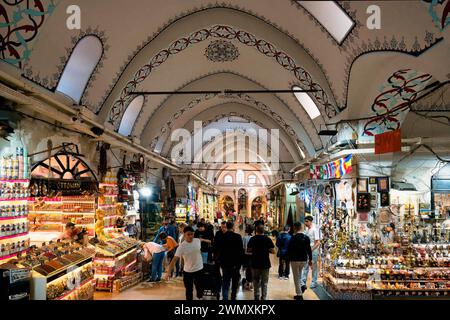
{"x":157,"y":252}
{"x":312,"y":232}
{"x":190,"y":251}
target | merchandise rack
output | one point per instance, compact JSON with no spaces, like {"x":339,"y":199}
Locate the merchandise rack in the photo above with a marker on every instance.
{"x":40,"y":283}
{"x":110,"y":268}
{"x":14,"y":198}
{"x":59,"y":211}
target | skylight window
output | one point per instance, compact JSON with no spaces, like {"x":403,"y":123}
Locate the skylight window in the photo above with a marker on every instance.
{"x":78,"y":70}
{"x":130,"y":115}
{"x":331,"y":16}
{"x":307,"y":103}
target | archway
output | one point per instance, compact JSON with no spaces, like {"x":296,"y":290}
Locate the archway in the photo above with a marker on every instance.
{"x":256,"y":207}
{"x":227,"y":204}
{"x":242,"y":198}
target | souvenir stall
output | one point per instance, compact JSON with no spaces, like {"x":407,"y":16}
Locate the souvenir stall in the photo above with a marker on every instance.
{"x":63,"y":189}
{"x":192,"y":205}
{"x":382,"y":243}
{"x":440,"y":201}
{"x":116,"y":264}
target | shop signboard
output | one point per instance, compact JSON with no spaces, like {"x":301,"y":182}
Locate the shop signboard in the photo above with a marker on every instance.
{"x":66,"y":187}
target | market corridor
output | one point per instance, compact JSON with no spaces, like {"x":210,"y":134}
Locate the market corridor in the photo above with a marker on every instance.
{"x":174,"y":290}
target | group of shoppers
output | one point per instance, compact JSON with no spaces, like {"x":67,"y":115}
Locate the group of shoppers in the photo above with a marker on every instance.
{"x":289,"y":256}
{"x":198,"y":248}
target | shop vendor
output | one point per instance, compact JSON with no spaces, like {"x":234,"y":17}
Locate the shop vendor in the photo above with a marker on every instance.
{"x":71,"y":232}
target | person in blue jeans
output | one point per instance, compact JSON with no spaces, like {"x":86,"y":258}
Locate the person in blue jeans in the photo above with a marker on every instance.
{"x":158,"y":253}
{"x":312,"y":232}
{"x":282,"y":245}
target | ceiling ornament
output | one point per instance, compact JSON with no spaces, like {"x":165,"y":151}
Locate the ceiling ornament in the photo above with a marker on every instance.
{"x":388,"y":44}
{"x":221,"y":32}
{"x":402,"y":87}
{"x":150,"y":38}
{"x":18,"y":31}
{"x":221,"y":51}
{"x":440,"y":13}
{"x":242,"y":96}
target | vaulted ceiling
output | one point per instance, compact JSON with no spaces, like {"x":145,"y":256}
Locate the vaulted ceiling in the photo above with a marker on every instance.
{"x":177,"y":45}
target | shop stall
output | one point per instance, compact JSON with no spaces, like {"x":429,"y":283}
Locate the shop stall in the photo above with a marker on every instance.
{"x":62,"y":190}
{"x":61,"y":270}
{"x":382,"y":243}
{"x":110,"y":214}
{"x":14,"y":199}
{"x":116,"y":264}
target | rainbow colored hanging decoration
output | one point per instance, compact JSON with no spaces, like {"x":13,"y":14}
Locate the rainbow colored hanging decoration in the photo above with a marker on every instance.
{"x":333,"y":170}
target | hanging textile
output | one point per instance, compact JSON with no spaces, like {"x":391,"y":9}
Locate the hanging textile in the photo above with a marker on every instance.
{"x":333,"y":170}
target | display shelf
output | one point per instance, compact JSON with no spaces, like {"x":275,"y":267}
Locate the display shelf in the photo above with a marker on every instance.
{"x":75,"y":289}
{"x":106,"y":205}
{"x":108,"y":185}
{"x":414,"y":289}
{"x":14,"y":236}
{"x":69,"y":266}
{"x":88,"y":213}
{"x":14,"y":199}
{"x":14,"y":180}
{"x":13,"y":218}
{"x":12,"y":255}
{"x":45,"y":212}
{"x":77,"y":201}
{"x":409,"y":281}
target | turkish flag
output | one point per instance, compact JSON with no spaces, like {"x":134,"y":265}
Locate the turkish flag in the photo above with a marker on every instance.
{"x":390,"y":141}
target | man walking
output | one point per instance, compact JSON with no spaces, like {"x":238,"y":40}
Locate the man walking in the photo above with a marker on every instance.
{"x":312,"y":232}
{"x":282,"y":245}
{"x":299,"y":254}
{"x":230,"y":252}
{"x":206,"y":237}
{"x":260,"y":246}
{"x":189,"y":250}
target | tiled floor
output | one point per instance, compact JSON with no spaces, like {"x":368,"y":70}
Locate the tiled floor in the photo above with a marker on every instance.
{"x":174,"y":290}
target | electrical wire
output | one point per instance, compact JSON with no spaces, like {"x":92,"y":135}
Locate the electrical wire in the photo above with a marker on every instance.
{"x":435,"y":154}
{"x":54,"y":125}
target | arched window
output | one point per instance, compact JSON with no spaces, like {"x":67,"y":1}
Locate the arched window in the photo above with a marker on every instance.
{"x":252,"y":179}
{"x":130,"y":115}
{"x":307,"y":103}
{"x":240,"y":177}
{"x":81,"y":64}
{"x":228,"y":179}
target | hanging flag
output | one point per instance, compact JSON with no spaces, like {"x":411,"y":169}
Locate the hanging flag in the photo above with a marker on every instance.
{"x":390,"y":141}
{"x":347,"y":164}
{"x":333,"y":170}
